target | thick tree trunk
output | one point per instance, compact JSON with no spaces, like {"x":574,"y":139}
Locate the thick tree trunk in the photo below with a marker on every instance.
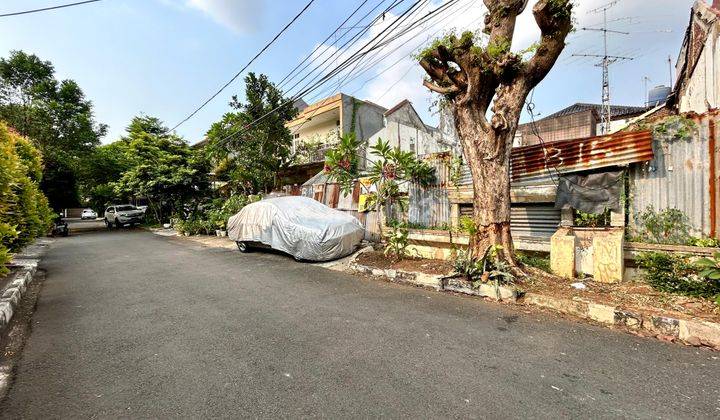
{"x":472,"y":77}
{"x":487,"y":147}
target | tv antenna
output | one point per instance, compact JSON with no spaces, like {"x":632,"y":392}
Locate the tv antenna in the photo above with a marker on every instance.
{"x":605,"y":63}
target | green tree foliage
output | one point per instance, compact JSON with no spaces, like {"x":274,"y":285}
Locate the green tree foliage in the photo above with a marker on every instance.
{"x":246,"y":153}
{"x":55,"y":115}
{"x":101,"y":170}
{"x":163,"y":169}
{"x":24,"y":210}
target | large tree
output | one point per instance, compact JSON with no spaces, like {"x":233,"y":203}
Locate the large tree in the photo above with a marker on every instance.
{"x":163,"y":169}
{"x":249,"y":151}
{"x":477,"y":77}
{"x":56,"y":115}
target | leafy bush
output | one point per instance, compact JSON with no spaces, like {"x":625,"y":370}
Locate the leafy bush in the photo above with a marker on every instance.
{"x":481,"y":270}
{"x":592,"y":220}
{"x":397,"y":241}
{"x":24,"y":210}
{"x":534,"y":259}
{"x":679,"y":274}
{"x":705,"y":242}
{"x":669,"y":226}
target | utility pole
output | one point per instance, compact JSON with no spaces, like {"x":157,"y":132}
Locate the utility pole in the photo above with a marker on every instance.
{"x":607,"y":60}
{"x":671,"y":72}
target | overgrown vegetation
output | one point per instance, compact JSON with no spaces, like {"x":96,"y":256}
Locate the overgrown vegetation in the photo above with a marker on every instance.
{"x":534,"y":259}
{"x":489,"y":267}
{"x":668,"y":226}
{"x":681,"y":274}
{"x":674,"y":128}
{"x":591,"y":220}
{"x":397,"y":240}
{"x":24,"y":210}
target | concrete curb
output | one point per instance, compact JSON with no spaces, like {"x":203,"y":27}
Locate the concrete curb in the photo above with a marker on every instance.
{"x":24,"y":266}
{"x":690,"y":332}
{"x":437,"y":282}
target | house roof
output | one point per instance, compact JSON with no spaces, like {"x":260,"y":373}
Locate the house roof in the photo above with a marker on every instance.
{"x":397,"y":107}
{"x":615,"y":110}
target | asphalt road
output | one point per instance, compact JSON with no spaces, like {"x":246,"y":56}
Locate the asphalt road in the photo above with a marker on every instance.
{"x":130,"y":324}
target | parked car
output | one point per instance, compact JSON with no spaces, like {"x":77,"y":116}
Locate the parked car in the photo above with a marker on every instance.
{"x":88,"y":214}
{"x":300,"y":226}
{"x":125,"y":214}
{"x":143,"y":208}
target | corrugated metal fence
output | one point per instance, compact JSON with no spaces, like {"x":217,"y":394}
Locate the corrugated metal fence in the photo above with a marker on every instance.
{"x":429,"y":205}
{"x":682,"y":175}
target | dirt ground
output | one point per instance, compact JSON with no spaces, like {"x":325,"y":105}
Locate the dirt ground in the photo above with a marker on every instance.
{"x":379,"y":260}
{"x":628,"y":295}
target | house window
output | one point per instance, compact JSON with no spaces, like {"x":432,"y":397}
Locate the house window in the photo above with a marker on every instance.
{"x":412,"y":144}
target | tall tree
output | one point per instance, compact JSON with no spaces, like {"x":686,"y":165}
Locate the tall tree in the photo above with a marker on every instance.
{"x":249,"y":154}
{"x":163,"y":169}
{"x":55,"y":115}
{"x":474,"y":77}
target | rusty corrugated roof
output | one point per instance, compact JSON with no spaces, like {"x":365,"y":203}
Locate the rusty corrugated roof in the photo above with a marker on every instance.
{"x":581,"y":154}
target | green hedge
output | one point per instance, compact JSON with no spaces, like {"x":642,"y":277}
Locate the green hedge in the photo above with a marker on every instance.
{"x":24,"y":210}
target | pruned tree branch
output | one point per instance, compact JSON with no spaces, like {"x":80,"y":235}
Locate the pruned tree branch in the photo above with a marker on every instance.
{"x":554,"y":18}
{"x":441,"y":90}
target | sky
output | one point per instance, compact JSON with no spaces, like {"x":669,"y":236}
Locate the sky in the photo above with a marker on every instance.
{"x":166,"y":57}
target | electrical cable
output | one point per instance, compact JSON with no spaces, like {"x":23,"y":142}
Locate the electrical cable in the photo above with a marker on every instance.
{"x":279,"y":84}
{"x":62,"y":6}
{"x":346,"y":63}
{"x":192,"y":114}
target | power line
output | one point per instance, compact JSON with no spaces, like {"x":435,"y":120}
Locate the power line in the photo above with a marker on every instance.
{"x":366,"y":68}
{"x":350,"y":42}
{"x":381,"y":72}
{"x":62,"y":6}
{"x":373,"y":61}
{"x":323,"y":42}
{"x":339,"y":68}
{"x":192,"y":114}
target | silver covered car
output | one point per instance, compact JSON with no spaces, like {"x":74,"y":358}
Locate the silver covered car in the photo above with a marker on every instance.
{"x":299,"y":226}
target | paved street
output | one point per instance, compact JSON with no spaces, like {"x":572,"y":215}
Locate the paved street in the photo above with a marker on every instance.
{"x":136,"y":325}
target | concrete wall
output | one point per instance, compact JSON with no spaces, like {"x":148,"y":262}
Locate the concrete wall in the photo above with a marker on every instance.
{"x":404,"y":129}
{"x":368,"y":117}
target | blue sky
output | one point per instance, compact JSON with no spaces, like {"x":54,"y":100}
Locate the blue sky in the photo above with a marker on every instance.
{"x":165,"y":57}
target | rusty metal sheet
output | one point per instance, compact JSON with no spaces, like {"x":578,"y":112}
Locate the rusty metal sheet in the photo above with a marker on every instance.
{"x":683,"y":175}
{"x":581,"y":154}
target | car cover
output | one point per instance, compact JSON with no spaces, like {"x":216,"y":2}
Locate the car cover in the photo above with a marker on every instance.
{"x":300,"y":226}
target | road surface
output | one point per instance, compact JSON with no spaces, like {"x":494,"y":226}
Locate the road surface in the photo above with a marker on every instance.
{"x":135,"y":325}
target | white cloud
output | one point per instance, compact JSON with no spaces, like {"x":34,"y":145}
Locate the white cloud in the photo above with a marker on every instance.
{"x":242,"y":16}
